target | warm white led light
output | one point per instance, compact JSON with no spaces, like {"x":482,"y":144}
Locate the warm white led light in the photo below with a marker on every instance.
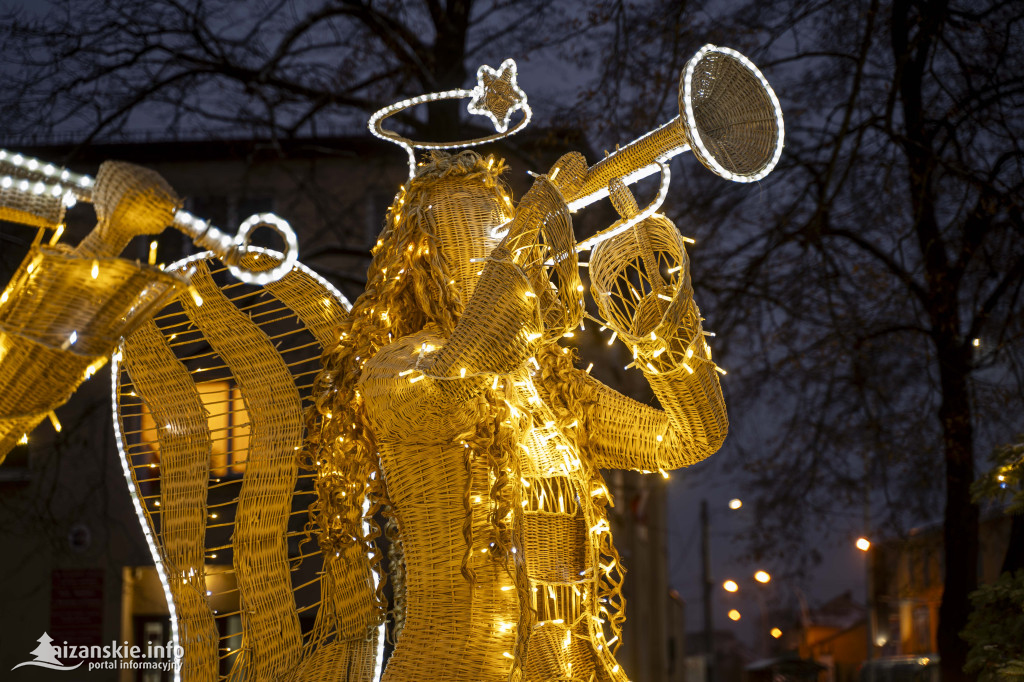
{"x":222,"y":245}
{"x":185,"y":268}
{"x":181,"y":268}
{"x":154,"y":552}
{"x":478,"y":105}
{"x":45,"y":171}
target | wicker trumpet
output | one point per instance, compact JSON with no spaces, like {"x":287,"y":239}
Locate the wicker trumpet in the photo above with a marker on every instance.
{"x":65,"y":308}
{"x":729,"y":117}
{"x":35,"y":193}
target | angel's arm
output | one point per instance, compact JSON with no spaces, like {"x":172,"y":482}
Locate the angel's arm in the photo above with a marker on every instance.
{"x":503,"y":321}
{"x":626,"y":434}
{"x":663,"y":328}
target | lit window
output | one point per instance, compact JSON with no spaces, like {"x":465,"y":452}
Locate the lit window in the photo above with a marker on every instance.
{"x":227,"y":421}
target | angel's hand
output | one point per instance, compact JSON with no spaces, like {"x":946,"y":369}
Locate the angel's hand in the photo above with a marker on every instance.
{"x":641,"y":282}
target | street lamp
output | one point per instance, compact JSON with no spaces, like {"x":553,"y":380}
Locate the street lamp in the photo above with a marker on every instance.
{"x":863,"y":544}
{"x":735,"y":503}
{"x":764,"y":578}
{"x":776,"y":633}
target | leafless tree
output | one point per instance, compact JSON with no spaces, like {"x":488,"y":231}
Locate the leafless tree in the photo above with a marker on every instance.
{"x":874,"y":286}
{"x":271,"y":67}
{"x":270,"y":70}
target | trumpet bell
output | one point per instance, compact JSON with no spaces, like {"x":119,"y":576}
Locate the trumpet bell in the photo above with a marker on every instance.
{"x":731,"y":116}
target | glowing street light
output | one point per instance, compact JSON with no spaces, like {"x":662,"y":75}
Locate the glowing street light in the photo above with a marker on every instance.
{"x":730,"y":586}
{"x":762,"y":577}
{"x":775,"y":632}
{"x":735,"y":503}
{"x":863,"y":544}
{"x":734,"y":614}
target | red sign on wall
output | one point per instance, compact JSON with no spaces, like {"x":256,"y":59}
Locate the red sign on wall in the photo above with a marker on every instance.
{"x":76,"y":606}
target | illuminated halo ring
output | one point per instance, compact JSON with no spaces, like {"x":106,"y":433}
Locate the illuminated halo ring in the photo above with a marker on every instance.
{"x":497,"y":96}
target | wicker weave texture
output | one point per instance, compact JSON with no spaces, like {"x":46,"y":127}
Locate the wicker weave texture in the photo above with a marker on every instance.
{"x":65,"y":309}
{"x":130,"y":201}
{"x":733,"y":114}
{"x":60,"y":317}
{"x":471,"y":426}
{"x":729,"y":119}
{"x":210,"y":403}
{"x":29,"y":208}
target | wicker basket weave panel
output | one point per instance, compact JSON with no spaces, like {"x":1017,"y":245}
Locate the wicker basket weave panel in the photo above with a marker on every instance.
{"x":453,"y":629}
{"x":27,"y":208}
{"x":184,"y":451}
{"x":462,"y":215}
{"x":555,"y":546}
{"x":36,"y":378}
{"x":348,"y":660}
{"x":252,"y":522}
{"x":349,"y":590}
{"x":55,"y":293}
{"x":561,"y":651}
{"x":641,"y":282}
{"x":734,"y":114}
{"x":269,"y":620}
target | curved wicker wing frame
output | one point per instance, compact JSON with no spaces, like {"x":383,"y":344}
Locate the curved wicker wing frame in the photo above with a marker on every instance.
{"x":209,"y":398}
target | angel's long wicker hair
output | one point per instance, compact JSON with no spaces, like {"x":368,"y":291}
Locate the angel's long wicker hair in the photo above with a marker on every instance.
{"x":410,"y":285}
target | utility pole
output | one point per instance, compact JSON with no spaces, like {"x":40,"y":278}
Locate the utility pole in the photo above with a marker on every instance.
{"x":709,"y":631}
{"x":869,"y":574}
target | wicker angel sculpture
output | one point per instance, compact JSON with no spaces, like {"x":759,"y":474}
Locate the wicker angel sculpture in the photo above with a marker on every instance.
{"x":452,"y":408}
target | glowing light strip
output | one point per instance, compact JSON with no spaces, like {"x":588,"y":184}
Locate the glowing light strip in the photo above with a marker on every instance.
{"x":180,"y":266}
{"x":691,"y":120}
{"x":126,"y":466}
{"x":222,"y":245}
{"x":635,"y":176}
{"x":48,"y":170}
{"x":666,"y":178}
{"x":38,"y":188}
{"x":154,"y":552}
{"x":202,"y":232}
{"x":379,"y":663}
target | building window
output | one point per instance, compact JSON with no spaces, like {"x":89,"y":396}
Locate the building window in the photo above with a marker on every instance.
{"x":228,"y":422}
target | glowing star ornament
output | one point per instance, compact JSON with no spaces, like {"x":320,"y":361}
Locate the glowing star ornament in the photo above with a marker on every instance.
{"x":497,"y":94}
